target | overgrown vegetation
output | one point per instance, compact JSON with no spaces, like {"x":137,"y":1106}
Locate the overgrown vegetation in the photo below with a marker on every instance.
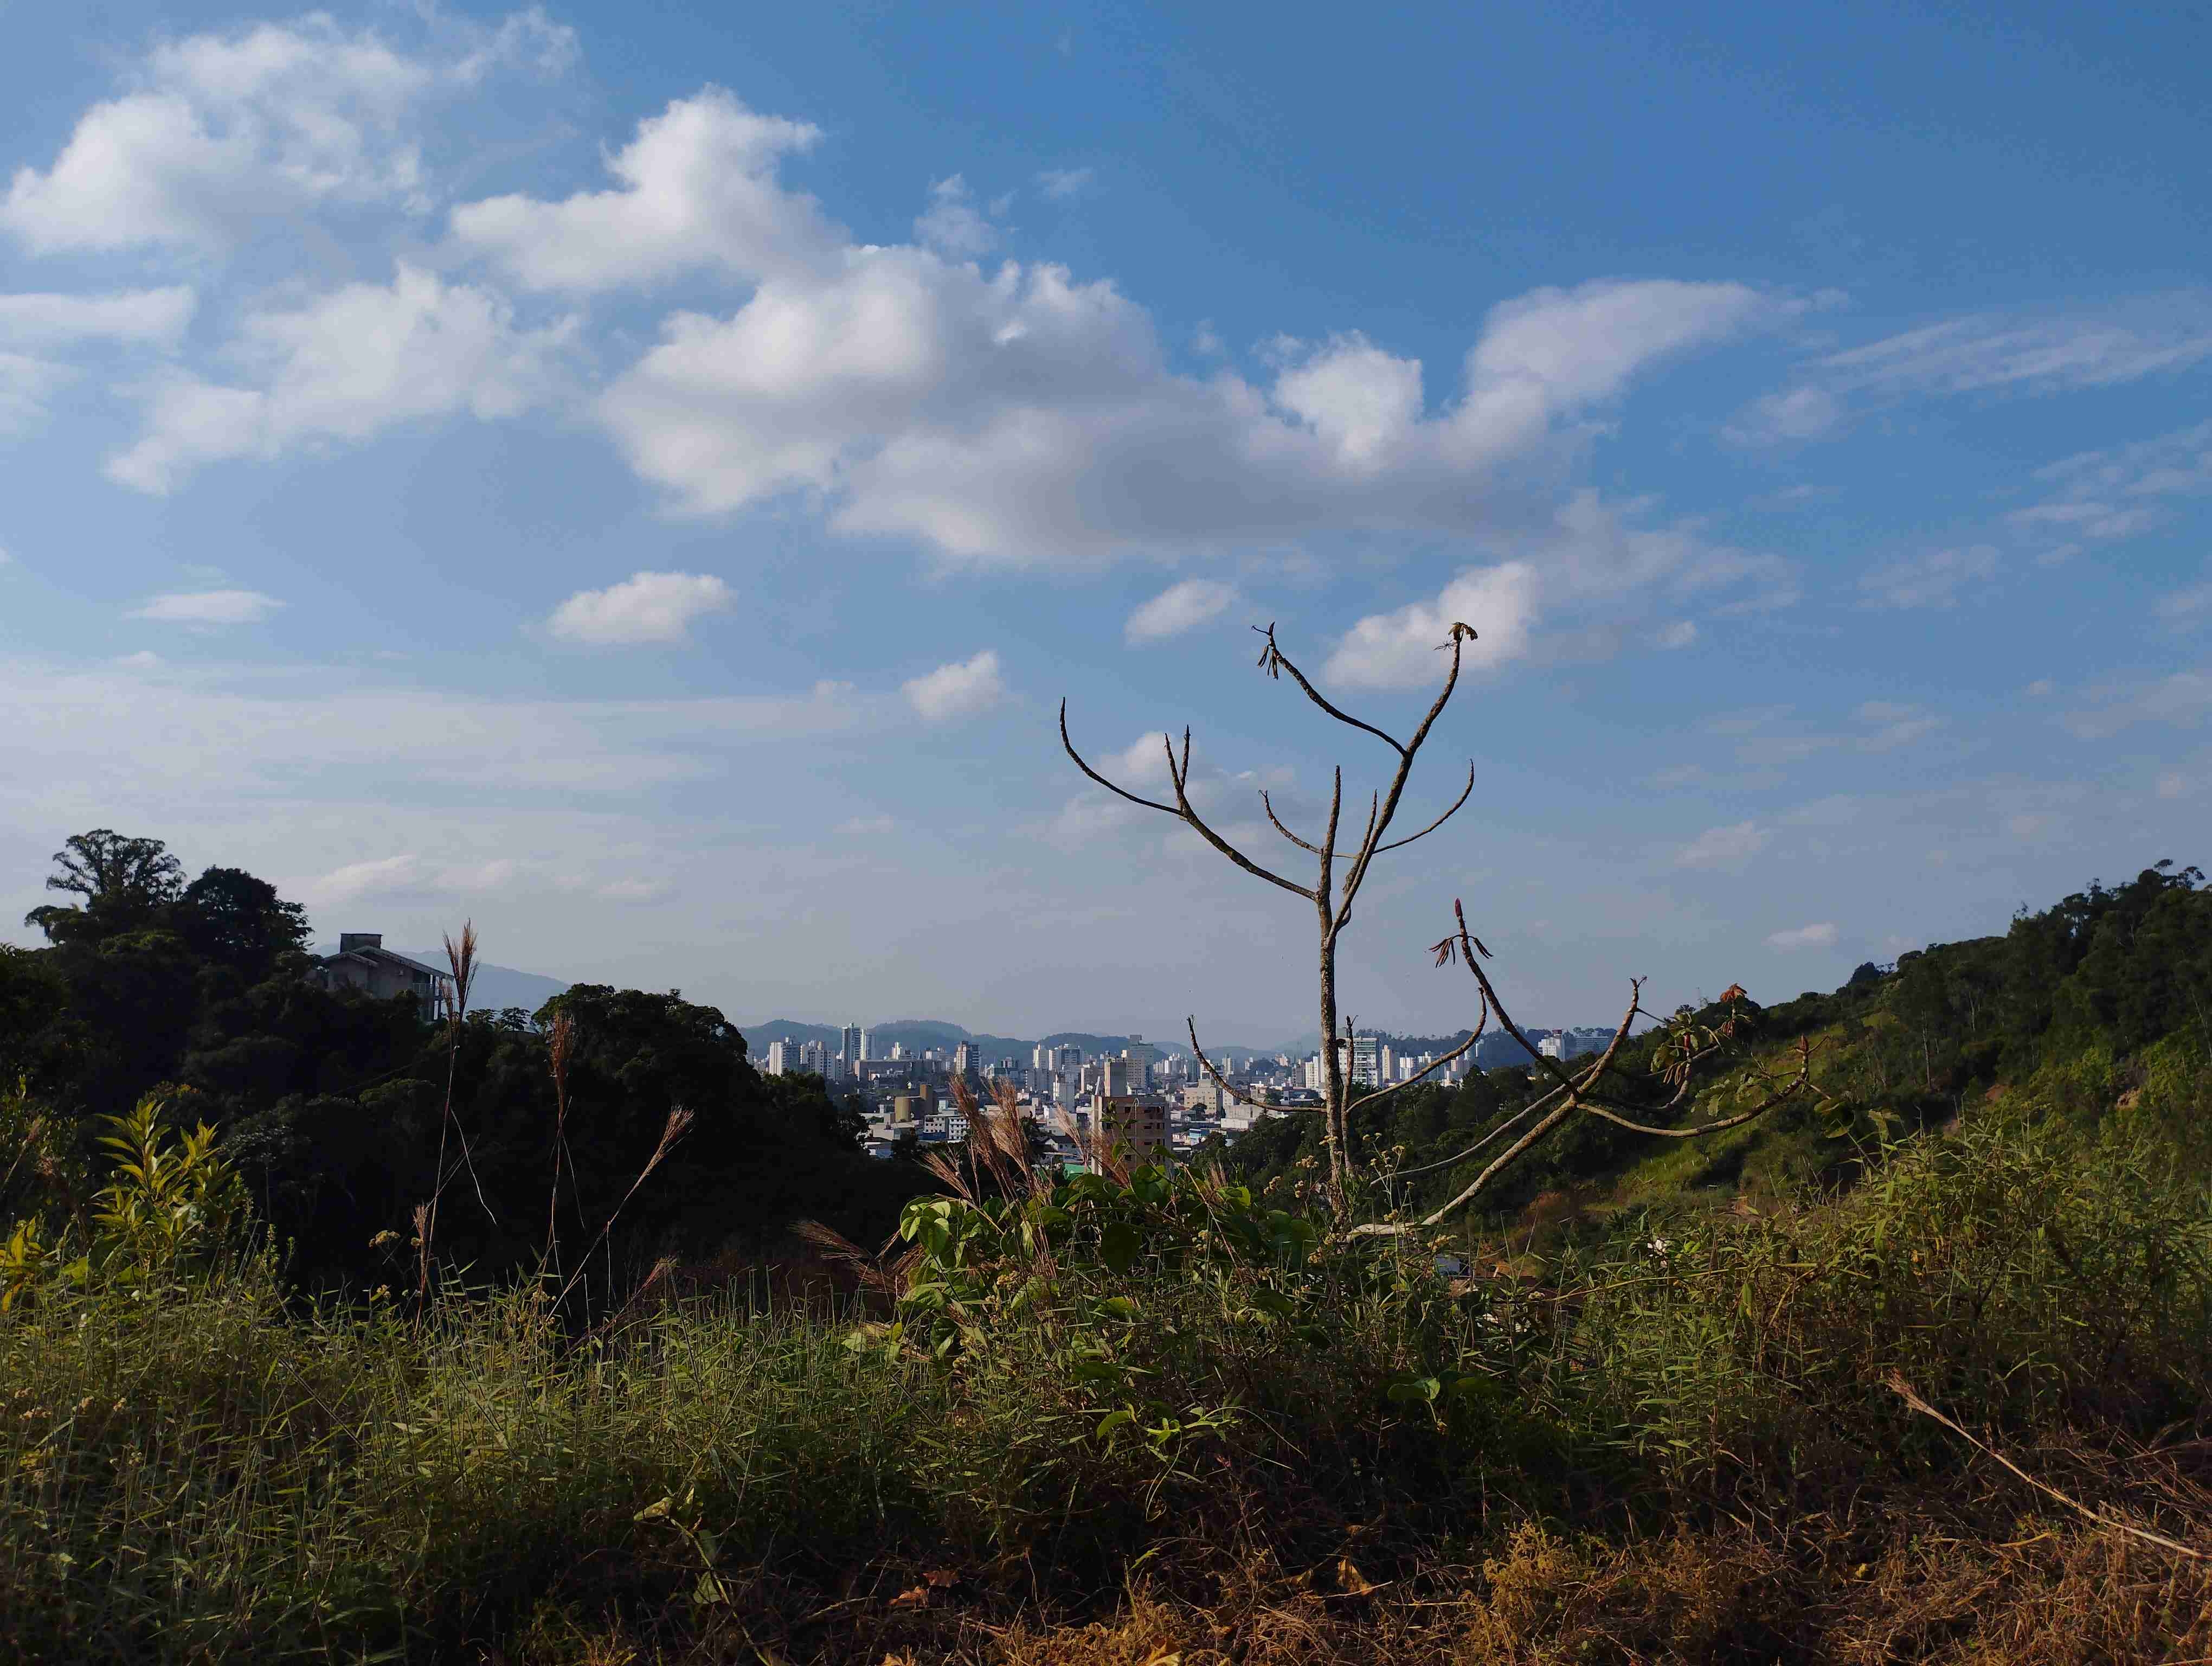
{"x":1145,"y":1414}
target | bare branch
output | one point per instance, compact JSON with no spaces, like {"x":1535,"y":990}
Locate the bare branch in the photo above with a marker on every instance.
{"x":1358,"y":877}
{"x":1481,"y":1023}
{"x":1466,"y":943}
{"x":1191,"y":1021}
{"x":1573,"y":1101}
{"x":1148,"y":804}
{"x":1400,"y":844}
{"x":1268,"y":804}
{"x":1197,"y":823}
{"x":1273,"y":661}
{"x":1796,"y":1086}
{"x":1302,"y":844}
{"x":1180,"y":810}
{"x":1895,"y":1383}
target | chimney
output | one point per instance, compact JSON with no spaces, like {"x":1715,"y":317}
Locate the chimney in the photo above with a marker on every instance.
{"x":348,"y":941}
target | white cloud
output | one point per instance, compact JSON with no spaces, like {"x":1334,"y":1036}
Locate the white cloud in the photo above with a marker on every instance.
{"x":963,"y":689}
{"x":1988,"y":353}
{"x":155,"y":734}
{"x":2175,"y":785}
{"x":1933,"y":579}
{"x":2087,"y":348}
{"x":1896,"y":724}
{"x":697,"y":190}
{"x":209,"y":607}
{"x":346,"y":366}
{"x":868,"y":826}
{"x":1681,"y":633}
{"x":1019,"y":417}
{"x":2183,"y":606}
{"x":636,"y":891}
{"x":952,"y":225}
{"x":380,"y":876}
{"x":218,"y":136}
{"x":1590,"y":554}
{"x":1794,"y":414}
{"x":1061,"y":183}
{"x":1179,"y":608}
{"x":646,"y":607}
{"x":27,"y":383}
{"x":2105,"y":496}
{"x":158,"y":316}
{"x":1821,"y":936}
{"x":2183,"y":699}
{"x":1717,"y":846}
{"x":1391,"y":649}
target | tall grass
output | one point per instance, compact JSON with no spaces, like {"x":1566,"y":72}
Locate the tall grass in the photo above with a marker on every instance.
{"x":195,"y":1470}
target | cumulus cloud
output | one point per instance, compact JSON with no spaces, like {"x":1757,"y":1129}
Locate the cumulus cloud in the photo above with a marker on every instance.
{"x":646,"y":607}
{"x":1932,"y":580}
{"x":952,"y":225}
{"x":346,"y":366}
{"x":1021,"y":416}
{"x":1061,"y":183}
{"x":963,"y":689}
{"x":1717,"y":846}
{"x":1821,"y":936}
{"x":217,"y":134}
{"x":1179,"y":608}
{"x":695,"y":190}
{"x":1590,"y":554}
{"x":1389,"y":649}
{"x":208,"y":607}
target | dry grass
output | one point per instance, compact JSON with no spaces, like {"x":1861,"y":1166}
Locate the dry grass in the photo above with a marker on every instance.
{"x":2055,"y":1597}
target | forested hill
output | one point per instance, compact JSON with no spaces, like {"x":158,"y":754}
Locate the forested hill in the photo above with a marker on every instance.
{"x":337,"y":1109}
{"x":2100,"y":1004}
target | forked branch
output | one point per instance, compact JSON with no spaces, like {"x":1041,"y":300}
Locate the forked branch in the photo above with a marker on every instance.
{"x":1573,"y":1092}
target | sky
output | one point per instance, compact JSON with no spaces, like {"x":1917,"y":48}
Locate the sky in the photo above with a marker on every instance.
{"x":644,"y":478}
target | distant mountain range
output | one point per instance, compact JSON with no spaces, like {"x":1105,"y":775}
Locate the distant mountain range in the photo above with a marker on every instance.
{"x":492,"y":989}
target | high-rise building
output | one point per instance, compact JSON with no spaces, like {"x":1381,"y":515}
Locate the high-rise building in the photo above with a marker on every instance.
{"x":1122,"y":1078}
{"x":783,"y":1057}
{"x":1366,"y":1060}
{"x":1134,"y":1127}
{"x":851,"y":1048}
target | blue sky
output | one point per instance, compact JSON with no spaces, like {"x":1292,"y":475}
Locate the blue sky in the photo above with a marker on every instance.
{"x":645,"y":477}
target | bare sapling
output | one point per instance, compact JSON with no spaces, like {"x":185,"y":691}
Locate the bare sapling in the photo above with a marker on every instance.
{"x":1335,"y":889}
{"x":1685,"y":1050}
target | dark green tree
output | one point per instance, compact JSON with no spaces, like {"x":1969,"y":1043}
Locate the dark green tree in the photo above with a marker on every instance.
{"x":125,"y":882}
{"x":235,"y":921}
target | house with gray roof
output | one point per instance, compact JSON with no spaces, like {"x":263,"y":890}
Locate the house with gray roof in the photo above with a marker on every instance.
{"x":363,"y":963}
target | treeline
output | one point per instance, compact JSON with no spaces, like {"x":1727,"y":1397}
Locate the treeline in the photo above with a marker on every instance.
{"x":2087,"y":999}
{"x":335,"y":1105}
